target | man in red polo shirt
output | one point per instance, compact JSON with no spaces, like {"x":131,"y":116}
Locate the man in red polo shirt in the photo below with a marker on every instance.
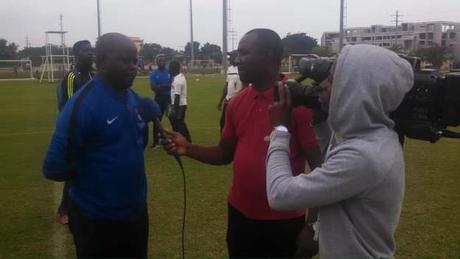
{"x":254,"y":229}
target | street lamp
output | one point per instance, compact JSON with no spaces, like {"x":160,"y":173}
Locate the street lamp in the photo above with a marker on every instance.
{"x":341,"y":26}
{"x":191,"y":37}
{"x":98,"y":20}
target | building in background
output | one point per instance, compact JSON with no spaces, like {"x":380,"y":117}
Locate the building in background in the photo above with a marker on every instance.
{"x":409,"y":36}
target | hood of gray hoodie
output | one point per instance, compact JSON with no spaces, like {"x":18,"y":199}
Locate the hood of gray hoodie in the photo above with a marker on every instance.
{"x":369,"y":83}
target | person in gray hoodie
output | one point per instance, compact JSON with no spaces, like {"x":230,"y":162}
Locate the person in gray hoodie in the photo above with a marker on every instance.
{"x":359,"y":188}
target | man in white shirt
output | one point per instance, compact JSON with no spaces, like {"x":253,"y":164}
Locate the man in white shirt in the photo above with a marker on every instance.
{"x":231,"y":88}
{"x":178,"y":100}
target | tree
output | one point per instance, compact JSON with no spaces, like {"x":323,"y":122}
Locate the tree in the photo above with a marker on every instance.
{"x":168,"y":52}
{"x":35,"y":53}
{"x":149,"y":51}
{"x":397,"y":48}
{"x":322,"y":51}
{"x":196,"y":49}
{"x":8,"y":51}
{"x":298,"y":43}
{"x":211,"y":51}
{"x":436,"y":55}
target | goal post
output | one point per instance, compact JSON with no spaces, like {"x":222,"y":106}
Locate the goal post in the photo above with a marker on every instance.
{"x":20,"y":69}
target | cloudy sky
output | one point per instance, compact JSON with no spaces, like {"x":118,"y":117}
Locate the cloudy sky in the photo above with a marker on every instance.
{"x":167,"y":21}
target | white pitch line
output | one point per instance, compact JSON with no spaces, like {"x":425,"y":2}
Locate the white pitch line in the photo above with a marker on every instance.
{"x":26,"y":133}
{"x":58,"y":236}
{"x":51,"y":131}
{"x":17,"y":79}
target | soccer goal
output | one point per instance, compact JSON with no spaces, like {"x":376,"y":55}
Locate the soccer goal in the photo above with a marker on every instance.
{"x":16,"y":69}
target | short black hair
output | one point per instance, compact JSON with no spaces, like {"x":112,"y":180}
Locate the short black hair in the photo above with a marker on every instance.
{"x":174,"y":67}
{"x":78,"y":45}
{"x":269,"y":41}
{"x":110,"y":43}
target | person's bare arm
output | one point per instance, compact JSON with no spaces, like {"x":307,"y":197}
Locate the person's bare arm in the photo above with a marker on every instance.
{"x":222,"y":97}
{"x":219,"y":154}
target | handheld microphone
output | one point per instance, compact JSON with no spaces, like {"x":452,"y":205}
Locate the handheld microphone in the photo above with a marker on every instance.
{"x":150,"y":111}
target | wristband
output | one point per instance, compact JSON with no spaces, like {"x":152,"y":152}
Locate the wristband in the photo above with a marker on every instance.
{"x":281,"y":128}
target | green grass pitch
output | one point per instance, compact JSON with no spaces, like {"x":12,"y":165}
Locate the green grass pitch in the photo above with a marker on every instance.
{"x":429,"y":225}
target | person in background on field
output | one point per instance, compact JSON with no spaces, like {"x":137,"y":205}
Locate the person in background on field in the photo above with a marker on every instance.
{"x":99,"y":145}
{"x":81,"y":73}
{"x":178,"y":106}
{"x":231,"y":88}
{"x":160,"y":83}
{"x":254,"y":230}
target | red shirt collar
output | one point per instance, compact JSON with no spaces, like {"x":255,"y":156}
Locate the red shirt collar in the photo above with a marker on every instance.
{"x":267,"y":93}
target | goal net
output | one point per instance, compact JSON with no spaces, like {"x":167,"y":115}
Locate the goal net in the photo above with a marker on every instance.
{"x":16,"y":69}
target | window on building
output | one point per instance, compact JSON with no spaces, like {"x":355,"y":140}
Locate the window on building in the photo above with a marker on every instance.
{"x":404,"y":27}
{"x":399,"y":37}
{"x":430,"y":27}
{"x":353,"y":38}
{"x":443,"y":43}
{"x":447,"y":27}
{"x":452,"y":35}
{"x":422,"y":36}
{"x":378,"y":38}
{"x":430,"y":43}
{"x":429,"y":35}
{"x":444,"y":35}
{"x":421,"y":42}
{"x":366,"y":38}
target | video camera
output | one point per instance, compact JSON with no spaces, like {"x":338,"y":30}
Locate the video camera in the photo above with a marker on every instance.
{"x":432,"y":105}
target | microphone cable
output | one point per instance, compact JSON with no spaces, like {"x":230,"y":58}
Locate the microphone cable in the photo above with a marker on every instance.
{"x":179,"y":162}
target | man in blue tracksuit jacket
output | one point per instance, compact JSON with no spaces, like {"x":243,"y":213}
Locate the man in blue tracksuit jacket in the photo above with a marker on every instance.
{"x":99,"y":144}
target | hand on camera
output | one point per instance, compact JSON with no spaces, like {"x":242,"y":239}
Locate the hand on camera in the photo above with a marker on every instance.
{"x":280,"y":111}
{"x":297,"y":92}
{"x":307,"y":247}
{"x":308,"y":96}
{"x":175,"y":143}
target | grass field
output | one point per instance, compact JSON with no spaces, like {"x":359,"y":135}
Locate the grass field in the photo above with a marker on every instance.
{"x":429,"y":225}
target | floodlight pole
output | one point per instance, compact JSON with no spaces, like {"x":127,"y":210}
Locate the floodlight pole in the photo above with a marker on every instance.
{"x":98,"y":20}
{"x":192,"y":52}
{"x":224,"y":36}
{"x":341,"y":25}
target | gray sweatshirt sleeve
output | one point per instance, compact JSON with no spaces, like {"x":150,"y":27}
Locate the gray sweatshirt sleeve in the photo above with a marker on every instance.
{"x":343,"y":175}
